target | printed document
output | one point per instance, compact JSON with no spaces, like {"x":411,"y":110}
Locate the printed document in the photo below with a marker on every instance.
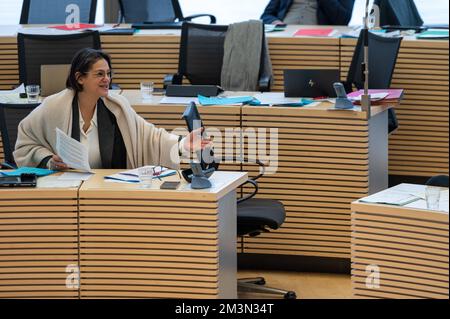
{"x":72,"y":152}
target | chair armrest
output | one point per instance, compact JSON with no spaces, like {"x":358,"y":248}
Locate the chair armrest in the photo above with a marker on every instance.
{"x":189,"y":18}
{"x":255,"y":184}
{"x":172,"y":79}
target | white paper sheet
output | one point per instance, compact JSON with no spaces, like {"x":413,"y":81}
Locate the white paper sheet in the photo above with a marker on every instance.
{"x":178,"y":100}
{"x":74,"y":176}
{"x":72,"y":152}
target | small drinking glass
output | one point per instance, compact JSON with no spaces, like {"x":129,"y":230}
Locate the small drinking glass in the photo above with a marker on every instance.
{"x":432,"y":194}
{"x":146,"y":176}
{"x":33,"y":92}
{"x":147,"y":90}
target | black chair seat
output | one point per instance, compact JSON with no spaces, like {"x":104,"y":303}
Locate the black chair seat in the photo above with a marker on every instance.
{"x":255,"y":213}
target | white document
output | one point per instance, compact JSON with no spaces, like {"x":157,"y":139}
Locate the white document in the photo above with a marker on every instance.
{"x":72,"y":152}
{"x":17,"y":90}
{"x":74,"y":176}
{"x":178,"y":100}
{"x":390,"y":197}
{"x":132,"y":175}
{"x":373,"y":96}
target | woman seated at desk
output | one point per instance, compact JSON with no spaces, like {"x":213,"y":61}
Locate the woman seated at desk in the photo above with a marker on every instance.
{"x":115,"y":135}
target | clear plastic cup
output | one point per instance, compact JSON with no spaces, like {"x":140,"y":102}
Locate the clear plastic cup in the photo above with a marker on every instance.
{"x":33,"y":92}
{"x":432,"y":194}
{"x":147,"y":90}
{"x":145,"y":176}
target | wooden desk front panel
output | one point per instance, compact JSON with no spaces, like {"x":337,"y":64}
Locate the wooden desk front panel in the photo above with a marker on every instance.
{"x":38,"y":241}
{"x":323,"y":166}
{"x":133,"y":246}
{"x":409,"y":247}
{"x":223,"y":119}
{"x":420,"y":146}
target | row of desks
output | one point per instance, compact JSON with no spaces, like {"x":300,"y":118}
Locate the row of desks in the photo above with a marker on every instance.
{"x":418,"y":148}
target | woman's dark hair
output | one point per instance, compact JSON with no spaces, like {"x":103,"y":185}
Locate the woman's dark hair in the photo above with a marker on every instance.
{"x":82,"y":62}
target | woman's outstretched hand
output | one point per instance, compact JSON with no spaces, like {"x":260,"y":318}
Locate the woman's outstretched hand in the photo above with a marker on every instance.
{"x":195,"y":142}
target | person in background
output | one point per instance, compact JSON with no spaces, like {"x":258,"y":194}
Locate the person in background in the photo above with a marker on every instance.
{"x":308,"y":12}
{"x":114,"y":134}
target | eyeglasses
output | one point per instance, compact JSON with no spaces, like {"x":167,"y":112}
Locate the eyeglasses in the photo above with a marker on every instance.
{"x":102,"y":74}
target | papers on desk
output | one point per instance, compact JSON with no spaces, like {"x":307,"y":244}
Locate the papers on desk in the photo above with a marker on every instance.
{"x":132,"y":176}
{"x":75,"y":176}
{"x":12,"y":96}
{"x":237,"y":100}
{"x":28,"y":170}
{"x":390,"y":197}
{"x":72,"y":152}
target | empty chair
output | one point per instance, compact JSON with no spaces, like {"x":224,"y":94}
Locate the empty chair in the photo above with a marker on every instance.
{"x":201,"y":56}
{"x":254,"y":216}
{"x":402,"y":13}
{"x":37,"y":50}
{"x":383,"y":54}
{"x":10,"y":117}
{"x":58,"y":11}
{"x":136,"y":11}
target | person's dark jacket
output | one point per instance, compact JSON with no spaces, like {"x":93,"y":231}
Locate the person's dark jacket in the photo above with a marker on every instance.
{"x":329,"y":12}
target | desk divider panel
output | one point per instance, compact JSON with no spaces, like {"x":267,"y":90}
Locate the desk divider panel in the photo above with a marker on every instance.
{"x":409,"y":247}
{"x":420,"y":146}
{"x":38,"y":241}
{"x":136,"y":246}
{"x":301,"y":53}
{"x":323,"y":166}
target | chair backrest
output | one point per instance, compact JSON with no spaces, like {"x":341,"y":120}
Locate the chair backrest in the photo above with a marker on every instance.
{"x":58,"y":11}
{"x":136,"y":11}
{"x":383,"y":54}
{"x":10,"y":117}
{"x":201,"y":53}
{"x":36,"y":50}
{"x":399,"y":13}
{"x":438,"y":180}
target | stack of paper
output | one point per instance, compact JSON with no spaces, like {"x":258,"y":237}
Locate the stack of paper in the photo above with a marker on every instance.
{"x":132,"y":176}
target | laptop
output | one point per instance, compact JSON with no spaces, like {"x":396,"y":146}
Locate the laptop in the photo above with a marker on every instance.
{"x":310,"y":83}
{"x":53,"y":78}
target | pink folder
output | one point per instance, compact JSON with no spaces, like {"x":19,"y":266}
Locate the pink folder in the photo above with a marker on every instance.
{"x":394,"y":94}
{"x":314,"y":32}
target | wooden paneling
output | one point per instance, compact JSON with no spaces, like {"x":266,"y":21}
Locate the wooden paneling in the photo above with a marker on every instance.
{"x":420,"y":146}
{"x":409,"y":247}
{"x":38,"y":242}
{"x":321,"y":166}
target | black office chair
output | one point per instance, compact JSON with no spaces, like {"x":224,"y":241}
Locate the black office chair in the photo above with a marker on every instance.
{"x":10,"y":117}
{"x":383,"y":54}
{"x":254,"y":216}
{"x":402,"y":13}
{"x":438,"y":180}
{"x":57,"y":11}
{"x":36,"y":50}
{"x":201,"y":55}
{"x":137,"y":11}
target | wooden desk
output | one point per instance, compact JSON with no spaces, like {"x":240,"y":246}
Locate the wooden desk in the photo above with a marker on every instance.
{"x":418,"y":148}
{"x":406,"y":246}
{"x":127,"y":242}
{"x":326,"y":159}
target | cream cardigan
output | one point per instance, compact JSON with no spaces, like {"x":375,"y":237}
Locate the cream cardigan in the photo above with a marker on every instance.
{"x":145,"y":144}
